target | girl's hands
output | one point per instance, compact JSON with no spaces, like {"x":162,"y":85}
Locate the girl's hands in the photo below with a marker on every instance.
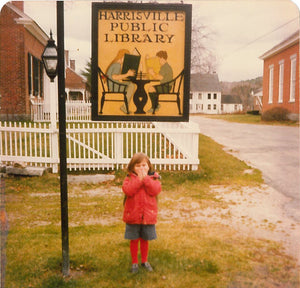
{"x":141,"y":169}
{"x":142,"y":175}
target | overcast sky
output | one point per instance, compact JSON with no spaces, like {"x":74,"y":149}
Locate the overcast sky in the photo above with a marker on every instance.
{"x":242,"y":30}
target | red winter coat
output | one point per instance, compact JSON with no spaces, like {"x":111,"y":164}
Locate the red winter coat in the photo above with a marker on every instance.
{"x":141,"y":205}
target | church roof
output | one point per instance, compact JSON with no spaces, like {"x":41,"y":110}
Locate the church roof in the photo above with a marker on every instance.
{"x":205,"y":82}
{"x":288,"y":42}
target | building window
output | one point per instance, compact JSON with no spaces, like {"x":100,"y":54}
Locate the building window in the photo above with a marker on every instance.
{"x":208,"y":107}
{"x":280,"y":88}
{"x":35,"y":76}
{"x":215,"y":106}
{"x":215,"y":96}
{"x":75,"y":96}
{"x":199,"y":107}
{"x":200,"y":96}
{"x":293,"y":78}
{"x":271,"y":80}
{"x":235,"y":107}
{"x":191,"y":95}
{"x":222,"y":107}
{"x":208,"y":96}
{"x":29,"y":74}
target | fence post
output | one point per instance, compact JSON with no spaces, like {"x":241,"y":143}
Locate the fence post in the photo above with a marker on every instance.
{"x":53,"y":129}
{"x":54,"y":146}
{"x":195,"y":141}
{"x":118,"y":147}
{"x":195,"y":144}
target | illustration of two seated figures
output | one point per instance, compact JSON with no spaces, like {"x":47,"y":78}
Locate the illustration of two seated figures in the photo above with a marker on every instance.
{"x":124,"y":77}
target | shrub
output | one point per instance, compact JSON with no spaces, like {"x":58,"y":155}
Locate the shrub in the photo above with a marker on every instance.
{"x":253,"y":112}
{"x":276,"y":114}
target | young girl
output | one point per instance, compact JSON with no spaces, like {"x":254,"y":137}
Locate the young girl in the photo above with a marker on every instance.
{"x":141,"y":186}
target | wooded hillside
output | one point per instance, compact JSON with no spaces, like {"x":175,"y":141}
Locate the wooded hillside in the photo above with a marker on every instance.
{"x":242,"y":89}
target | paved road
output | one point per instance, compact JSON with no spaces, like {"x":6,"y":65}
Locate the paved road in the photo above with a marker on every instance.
{"x":272,"y":149}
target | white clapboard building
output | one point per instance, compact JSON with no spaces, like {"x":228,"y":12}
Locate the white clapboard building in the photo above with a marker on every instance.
{"x":205,"y":94}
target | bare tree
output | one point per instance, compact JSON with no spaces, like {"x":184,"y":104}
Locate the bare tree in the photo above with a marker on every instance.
{"x":203,"y":59}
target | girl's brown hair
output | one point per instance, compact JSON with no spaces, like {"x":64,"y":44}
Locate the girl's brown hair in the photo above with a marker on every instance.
{"x":138,"y":158}
{"x":119,"y":56}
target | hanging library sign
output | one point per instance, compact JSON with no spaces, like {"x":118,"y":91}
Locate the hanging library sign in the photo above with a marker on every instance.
{"x":141,"y":61}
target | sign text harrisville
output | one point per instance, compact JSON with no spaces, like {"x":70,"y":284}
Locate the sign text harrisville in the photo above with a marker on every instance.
{"x":140,"y":26}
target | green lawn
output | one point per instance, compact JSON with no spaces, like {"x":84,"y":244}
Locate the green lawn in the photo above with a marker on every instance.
{"x":249,"y":119}
{"x":186,"y":254}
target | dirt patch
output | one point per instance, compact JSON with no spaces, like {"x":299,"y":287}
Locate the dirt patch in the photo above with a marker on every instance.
{"x":44,"y":194}
{"x":253,"y":211}
{"x":258,"y":212}
{"x":76,"y":192}
{"x":101,"y":191}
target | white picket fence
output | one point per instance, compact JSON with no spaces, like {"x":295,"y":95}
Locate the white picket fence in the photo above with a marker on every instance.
{"x":101,"y":145}
{"x":79,"y":111}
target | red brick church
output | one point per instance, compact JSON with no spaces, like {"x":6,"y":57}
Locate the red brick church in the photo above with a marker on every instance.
{"x":281,"y":76}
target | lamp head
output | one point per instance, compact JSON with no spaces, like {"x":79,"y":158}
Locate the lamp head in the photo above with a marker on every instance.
{"x":49,"y":58}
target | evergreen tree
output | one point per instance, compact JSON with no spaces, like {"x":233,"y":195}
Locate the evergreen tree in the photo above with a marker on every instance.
{"x":87,"y":73}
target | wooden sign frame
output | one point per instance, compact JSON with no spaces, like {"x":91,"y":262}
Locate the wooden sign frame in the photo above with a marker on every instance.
{"x":141,"y":57}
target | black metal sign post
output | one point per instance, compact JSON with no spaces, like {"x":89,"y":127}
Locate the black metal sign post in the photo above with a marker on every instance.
{"x":62,"y":138}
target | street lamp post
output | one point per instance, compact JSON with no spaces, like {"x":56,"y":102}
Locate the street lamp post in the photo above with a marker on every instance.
{"x":49,"y":58}
{"x":53,"y":59}
{"x":62,"y":137}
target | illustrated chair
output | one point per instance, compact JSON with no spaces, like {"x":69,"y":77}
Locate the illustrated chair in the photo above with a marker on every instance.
{"x":113,"y":88}
{"x":169,"y":88}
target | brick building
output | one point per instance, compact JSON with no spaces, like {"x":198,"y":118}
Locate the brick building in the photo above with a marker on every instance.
{"x":281,"y":76}
{"x":75,"y":85}
{"x":22,"y":75}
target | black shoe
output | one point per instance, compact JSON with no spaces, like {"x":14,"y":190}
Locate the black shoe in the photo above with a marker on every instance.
{"x":147,"y":266}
